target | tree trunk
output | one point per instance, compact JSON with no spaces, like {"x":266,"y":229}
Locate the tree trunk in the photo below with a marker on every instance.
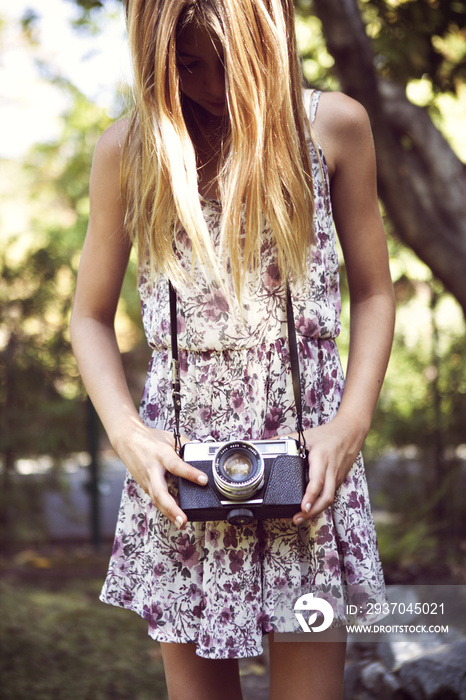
{"x":422,"y":183}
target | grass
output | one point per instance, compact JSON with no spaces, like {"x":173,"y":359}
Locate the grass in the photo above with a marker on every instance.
{"x":58,"y":642}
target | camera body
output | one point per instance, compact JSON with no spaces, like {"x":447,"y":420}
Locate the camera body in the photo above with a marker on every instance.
{"x":247,"y":480}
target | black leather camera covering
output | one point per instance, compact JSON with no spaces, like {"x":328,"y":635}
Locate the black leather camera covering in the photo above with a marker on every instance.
{"x":285,"y":479}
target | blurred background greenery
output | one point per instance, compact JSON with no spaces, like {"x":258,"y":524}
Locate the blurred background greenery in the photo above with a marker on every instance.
{"x":416,"y":451}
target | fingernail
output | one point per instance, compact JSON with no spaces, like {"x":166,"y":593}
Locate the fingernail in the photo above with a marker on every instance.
{"x":299,"y":520}
{"x":202,"y":479}
{"x":178,"y":522}
{"x":307,"y":507}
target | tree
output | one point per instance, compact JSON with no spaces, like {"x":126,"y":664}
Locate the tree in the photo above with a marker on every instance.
{"x":422,"y":183}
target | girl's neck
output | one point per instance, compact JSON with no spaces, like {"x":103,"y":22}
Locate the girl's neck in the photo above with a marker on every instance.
{"x":207,"y":138}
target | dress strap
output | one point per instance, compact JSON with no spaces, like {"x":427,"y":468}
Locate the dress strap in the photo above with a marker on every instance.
{"x":311,"y":101}
{"x":315,"y":96}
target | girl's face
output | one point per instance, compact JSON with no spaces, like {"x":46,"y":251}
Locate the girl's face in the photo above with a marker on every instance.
{"x":201,"y":71}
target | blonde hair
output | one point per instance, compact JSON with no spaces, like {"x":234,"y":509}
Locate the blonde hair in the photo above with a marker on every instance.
{"x":265,"y":166}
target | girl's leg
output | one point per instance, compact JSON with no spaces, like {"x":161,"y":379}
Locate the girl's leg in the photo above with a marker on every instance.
{"x":189,"y":677}
{"x":306,"y":670}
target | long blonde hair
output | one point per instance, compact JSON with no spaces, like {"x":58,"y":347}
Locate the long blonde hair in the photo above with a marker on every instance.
{"x":265,"y":168}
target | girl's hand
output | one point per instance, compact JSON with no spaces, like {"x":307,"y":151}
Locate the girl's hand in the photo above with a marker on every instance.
{"x":332,"y":448}
{"x":149,"y":454}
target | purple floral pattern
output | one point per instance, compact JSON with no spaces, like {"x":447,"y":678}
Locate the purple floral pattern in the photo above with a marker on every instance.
{"x":215,"y":584}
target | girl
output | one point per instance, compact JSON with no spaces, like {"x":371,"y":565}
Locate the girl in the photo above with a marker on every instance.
{"x":227,"y":176}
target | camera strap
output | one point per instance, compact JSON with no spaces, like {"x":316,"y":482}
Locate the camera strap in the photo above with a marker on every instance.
{"x":294,"y":362}
{"x":176,"y":382}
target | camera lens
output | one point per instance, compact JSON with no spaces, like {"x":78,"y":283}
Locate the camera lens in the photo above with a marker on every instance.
{"x":237,"y":466}
{"x":238,"y":470}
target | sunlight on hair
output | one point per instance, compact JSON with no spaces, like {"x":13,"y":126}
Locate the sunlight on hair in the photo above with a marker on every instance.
{"x":264,"y":175}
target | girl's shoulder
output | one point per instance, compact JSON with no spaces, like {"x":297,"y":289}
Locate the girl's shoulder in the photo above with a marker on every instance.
{"x":339,"y":121}
{"x":110,"y":144}
{"x":339,"y":111}
{"x":105,"y":172}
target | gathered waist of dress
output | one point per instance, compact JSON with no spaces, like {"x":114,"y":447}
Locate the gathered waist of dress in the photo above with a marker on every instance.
{"x":242,"y":346}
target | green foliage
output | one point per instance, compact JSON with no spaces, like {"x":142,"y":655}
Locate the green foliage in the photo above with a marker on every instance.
{"x":412,"y":39}
{"x":317,"y":63}
{"x":404,"y":545}
{"x":88,"y":5}
{"x":415,"y":38}
{"x":88,"y":11}
{"x":65,"y":644}
{"x":41,"y":400}
{"x":39,"y":378}
{"x":424,"y":394}
{"x":423,"y":397}
{"x":420,"y":44}
{"x":64,"y":165}
{"x":423,"y":520}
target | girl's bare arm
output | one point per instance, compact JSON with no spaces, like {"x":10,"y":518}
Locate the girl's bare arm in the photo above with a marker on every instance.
{"x":146,"y":452}
{"x":343,"y":130}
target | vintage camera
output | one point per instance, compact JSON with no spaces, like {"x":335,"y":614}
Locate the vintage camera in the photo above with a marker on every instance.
{"x":247,"y":480}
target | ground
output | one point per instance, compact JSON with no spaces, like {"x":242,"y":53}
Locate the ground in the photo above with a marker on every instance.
{"x":58,"y":641}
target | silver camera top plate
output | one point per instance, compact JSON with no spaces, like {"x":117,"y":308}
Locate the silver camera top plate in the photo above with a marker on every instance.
{"x":197,"y":451}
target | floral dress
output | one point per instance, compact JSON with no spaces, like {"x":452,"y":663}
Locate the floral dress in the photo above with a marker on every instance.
{"x":215,"y":584}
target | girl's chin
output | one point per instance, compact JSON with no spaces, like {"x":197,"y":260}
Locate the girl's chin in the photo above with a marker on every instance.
{"x":215,"y":108}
